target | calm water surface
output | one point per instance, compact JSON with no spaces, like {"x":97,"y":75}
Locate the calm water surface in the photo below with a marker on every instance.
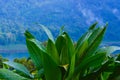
{"x":11,"y":56}
{"x":23,"y":52}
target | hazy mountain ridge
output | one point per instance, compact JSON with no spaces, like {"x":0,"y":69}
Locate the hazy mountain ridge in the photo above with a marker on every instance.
{"x":17,"y":16}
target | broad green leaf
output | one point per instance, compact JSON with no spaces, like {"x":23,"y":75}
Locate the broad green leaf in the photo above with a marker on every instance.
{"x":96,"y":42}
{"x":66,"y":52}
{"x":72,"y":68}
{"x":90,"y":61}
{"x":35,"y":50}
{"x":52,"y":51}
{"x":47,"y":31}
{"x":71,"y":53}
{"x":59,"y":43}
{"x":94,"y":35}
{"x":81,"y":50}
{"x":19,"y":67}
{"x":63,"y":50}
{"x":84,"y":37}
{"x":69,"y":43}
{"x":9,"y":75}
{"x":51,"y":69}
{"x":64,"y":56}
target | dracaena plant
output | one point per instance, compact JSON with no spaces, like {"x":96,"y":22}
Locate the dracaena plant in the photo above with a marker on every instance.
{"x":61,"y":59}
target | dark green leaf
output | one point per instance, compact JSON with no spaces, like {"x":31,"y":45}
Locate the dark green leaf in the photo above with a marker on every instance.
{"x":91,"y":61}
{"x":29,"y":35}
{"x":9,"y":75}
{"x":84,"y":37}
{"x":60,"y":43}
{"x":51,"y":69}
{"x":64,"y":56}
{"x":71,"y":53}
{"x":72,"y":68}
{"x":96,"y":42}
{"x":81,"y":49}
{"x":94,"y":35}
{"x":93,"y":26}
{"x":69,"y":43}
{"x":52,"y":51}
{"x":36,"y":50}
{"x":19,"y":67}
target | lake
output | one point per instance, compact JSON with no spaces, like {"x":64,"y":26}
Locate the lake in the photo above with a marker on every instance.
{"x":14,"y":51}
{"x":12,"y":56}
{"x":20,"y":50}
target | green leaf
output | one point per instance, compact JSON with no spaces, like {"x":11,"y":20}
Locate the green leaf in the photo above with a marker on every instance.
{"x":71,"y":54}
{"x":59,"y":43}
{"x":19,"y":67}
{"x":52,"y":51}
{"x":80,"y":51}
{"x":93,"y":26}
{"x":94,"y":75}
{"x":96,"y":42}
{"x":90,"y":61}
{"x":94,"y":34}
{"x":86,"y":35}
{"x":70,"y":45}
{"x":35,"y":50}
{"x":105,"y":75}
{"x":29,"y":35}
{"x":115,"y":73}
{"x":64,"y":56}
{"x":72,"y":68}
{"x":40,"y":73}
{"x":9,"y":75}
{"x":51,"y":69}
{"x":83,"y":38}
{"x":61,"y":30}
{"x":47,"y":31}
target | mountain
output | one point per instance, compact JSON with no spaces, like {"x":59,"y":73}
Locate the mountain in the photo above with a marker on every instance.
{"x":16,"y":16}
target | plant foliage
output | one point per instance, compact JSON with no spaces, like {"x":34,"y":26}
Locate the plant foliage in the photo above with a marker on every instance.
{"x":60,"y":59}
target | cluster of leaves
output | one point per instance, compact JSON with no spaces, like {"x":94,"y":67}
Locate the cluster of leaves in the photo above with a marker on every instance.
{"x":60,"y":59}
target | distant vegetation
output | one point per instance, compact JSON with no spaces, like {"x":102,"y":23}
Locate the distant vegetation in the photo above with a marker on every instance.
{"x":61,"y":59}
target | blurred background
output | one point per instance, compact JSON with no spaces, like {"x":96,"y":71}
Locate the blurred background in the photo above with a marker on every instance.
{"x":16,"y":16}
